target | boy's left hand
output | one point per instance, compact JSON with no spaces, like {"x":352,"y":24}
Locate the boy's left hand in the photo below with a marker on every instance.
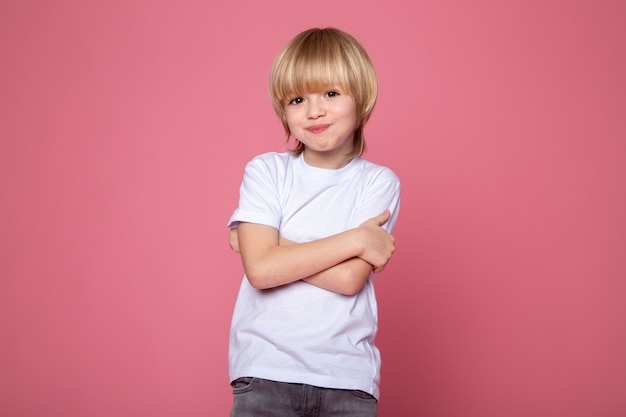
{"x":233,"y":240}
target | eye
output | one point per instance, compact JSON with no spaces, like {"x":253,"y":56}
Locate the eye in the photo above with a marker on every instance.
{"x":332,"y":93}
{"x":296,"y":100}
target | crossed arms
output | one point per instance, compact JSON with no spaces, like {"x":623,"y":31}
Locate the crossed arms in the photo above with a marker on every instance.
{"x":341,"y":263}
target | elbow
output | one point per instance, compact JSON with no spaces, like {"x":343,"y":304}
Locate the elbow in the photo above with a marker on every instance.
{"x":351,"y":290}
{"x":257,"y":284}
{"x":352,"y":283}
{"x":257,"y":278}
{"x":256,"y":281}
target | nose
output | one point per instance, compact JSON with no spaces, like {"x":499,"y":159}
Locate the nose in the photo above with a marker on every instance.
{"x":315,"y":108}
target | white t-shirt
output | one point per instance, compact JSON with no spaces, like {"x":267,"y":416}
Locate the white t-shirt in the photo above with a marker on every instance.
{"x":298,"y":332}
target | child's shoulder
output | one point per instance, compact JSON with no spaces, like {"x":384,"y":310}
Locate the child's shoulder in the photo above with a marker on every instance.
{"x":273,"y":157}
{"x":270,"y":162}
{"x":379,"y":172}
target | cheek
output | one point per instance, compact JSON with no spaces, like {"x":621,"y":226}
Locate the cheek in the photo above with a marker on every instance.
{"x":291,"y":116}
{"x":349,"y":115}
{"x":289,"y":121}
{"x":291,"y":126}
{"x":348,"y":112}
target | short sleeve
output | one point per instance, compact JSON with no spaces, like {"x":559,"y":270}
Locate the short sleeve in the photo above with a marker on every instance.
{"x":381,"y":193}
{"x":258,"y":196}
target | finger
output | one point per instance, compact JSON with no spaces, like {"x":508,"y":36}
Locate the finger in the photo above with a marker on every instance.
{"x":383,"y":217}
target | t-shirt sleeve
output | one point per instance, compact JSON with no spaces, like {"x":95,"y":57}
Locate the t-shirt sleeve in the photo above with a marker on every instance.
{"x":258,"y":196}
{"x":382,"y":192}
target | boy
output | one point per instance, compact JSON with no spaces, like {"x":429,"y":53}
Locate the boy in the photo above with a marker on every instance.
{"x":312,"y":226}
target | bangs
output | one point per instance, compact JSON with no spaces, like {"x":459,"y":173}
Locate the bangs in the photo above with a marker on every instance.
{"x":305,"y":77}
{"x":316,"y":65}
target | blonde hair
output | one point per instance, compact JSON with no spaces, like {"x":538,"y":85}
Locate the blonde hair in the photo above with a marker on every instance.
{"x":317,"y":59}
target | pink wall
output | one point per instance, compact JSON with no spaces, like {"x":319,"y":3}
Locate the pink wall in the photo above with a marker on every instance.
{"x":124,"y":129}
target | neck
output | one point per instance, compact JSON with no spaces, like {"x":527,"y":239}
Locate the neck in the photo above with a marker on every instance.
{"x":316,"y":160}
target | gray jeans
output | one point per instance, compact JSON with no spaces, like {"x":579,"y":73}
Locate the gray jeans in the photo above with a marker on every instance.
{"x":255,"y":397}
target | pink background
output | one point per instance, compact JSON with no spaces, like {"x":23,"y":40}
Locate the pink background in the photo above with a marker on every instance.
{"x":125,"y":126}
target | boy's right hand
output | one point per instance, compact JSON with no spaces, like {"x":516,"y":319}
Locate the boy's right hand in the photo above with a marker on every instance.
{"x":378,"y":244}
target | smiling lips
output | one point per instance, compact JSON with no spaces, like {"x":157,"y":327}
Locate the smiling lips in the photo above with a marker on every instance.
{"x":317,"y":128}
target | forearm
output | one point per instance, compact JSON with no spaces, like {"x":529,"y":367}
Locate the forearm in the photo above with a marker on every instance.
{"x":347,"y":277}
{"x":271,"y":265}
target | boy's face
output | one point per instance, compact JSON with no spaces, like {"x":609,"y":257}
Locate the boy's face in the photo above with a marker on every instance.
{"x":324,"y":122}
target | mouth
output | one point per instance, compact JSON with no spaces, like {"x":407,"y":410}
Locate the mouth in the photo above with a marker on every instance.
{"x":318,"y":128}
